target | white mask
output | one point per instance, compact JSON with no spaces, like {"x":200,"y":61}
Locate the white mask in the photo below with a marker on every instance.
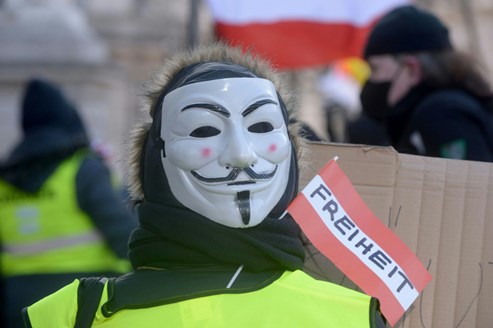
{"x":227,"y":149}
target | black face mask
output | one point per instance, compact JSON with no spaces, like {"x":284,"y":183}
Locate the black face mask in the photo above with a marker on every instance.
{"x":374,"y":96}
{"x":373,"y":99}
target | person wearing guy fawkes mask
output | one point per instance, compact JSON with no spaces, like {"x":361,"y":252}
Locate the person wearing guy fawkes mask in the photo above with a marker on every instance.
{"x":212,"y":176}
{"x":432,"y":98}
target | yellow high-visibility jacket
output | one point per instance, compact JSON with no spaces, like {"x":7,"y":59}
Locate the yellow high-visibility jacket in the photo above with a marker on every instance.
{"x":291,"y":299}
{"x":46,"y":232}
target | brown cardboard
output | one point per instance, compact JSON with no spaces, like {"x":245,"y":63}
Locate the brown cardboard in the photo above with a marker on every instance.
{"x":442,"y":209}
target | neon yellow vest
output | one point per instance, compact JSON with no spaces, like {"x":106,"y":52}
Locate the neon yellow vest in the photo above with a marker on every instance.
{"x":48,"y":233}
{"x":293,"y":300}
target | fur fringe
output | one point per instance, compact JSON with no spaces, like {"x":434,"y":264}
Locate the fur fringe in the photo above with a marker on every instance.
{"x":161,"y":77}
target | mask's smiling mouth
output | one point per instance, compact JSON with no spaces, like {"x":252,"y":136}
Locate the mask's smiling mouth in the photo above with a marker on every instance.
{"x":238,"y":183}
{"x":230,"y":178}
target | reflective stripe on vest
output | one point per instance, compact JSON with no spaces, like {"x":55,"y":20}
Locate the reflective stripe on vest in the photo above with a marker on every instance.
{"x":47,"y":232}
{"x":53,"y":244}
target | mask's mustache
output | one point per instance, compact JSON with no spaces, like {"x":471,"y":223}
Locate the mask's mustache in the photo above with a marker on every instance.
{"x":234,"y":174}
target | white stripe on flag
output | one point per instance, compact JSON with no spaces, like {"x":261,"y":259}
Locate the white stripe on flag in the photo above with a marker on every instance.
{"x":391,"y":275}
{"x":354,"y":12}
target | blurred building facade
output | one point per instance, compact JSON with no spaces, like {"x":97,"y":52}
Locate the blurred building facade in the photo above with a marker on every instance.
{"x":101,"y":52}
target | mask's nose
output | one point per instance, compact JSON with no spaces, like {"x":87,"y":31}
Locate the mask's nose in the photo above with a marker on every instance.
{"x":239,"y":151}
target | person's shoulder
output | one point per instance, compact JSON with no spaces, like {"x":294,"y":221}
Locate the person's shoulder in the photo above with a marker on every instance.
{"x":91,"y":162}
{"x":55,"y":310}
{"x":318,"y":292}
{"x":448,"y":104}
{"x":444,"y":100}
{"x":316,"y":286}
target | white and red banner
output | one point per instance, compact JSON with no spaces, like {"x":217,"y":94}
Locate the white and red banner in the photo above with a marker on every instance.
{"x":298,"y":33}
{"x":342,"y":227}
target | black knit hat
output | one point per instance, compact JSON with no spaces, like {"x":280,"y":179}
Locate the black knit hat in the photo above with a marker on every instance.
{"x":50,"y":124}
{"x":407,"y":29}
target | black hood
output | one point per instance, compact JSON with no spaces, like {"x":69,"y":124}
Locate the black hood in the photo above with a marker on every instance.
{"x":52,"y":130}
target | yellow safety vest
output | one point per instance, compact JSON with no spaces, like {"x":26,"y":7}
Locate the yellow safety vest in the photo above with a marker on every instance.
{"x":47,"y":232}
{"x":293,"y":300}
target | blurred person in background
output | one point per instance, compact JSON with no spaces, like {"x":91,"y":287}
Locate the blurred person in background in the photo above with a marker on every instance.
{"x":433,"y":99}
{"x":365,"y":130}
{"x":340,"y":87}
{"x":346,"y":120}
{"x":61,"y":215}
{"x":212,"y":174}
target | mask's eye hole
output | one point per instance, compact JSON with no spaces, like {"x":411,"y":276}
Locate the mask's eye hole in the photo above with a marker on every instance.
{"x":205,"y":132}
{"x":260,"y":127}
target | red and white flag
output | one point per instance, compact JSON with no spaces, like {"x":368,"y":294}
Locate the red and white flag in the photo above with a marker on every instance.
{"x":295,"y":34}
{"x":342,"y":227}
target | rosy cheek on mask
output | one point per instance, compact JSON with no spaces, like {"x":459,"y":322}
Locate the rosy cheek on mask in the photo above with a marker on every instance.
{"x":206,"y":152}
{"x":272,"y":148}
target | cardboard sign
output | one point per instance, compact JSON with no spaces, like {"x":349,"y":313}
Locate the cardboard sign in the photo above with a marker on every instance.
{"x":338,"y":222}
{"x":442,"y":209}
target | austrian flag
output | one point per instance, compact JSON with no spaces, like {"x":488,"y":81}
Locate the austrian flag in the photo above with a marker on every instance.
{"x":295,"y":34}
{"x":343,"y":228}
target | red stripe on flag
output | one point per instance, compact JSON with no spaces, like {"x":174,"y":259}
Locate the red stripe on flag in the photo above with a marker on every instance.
{"x":323,"y":239}
{"x":297,"y":44}
{"x":362,"y":215}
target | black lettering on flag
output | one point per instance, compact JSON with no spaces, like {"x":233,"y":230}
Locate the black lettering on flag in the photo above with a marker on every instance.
{"x":332,"y":207}
{"x":394,"y":270}
{"x":346,"y":227}
{"x":380,"y":259}
{"x":404,"y":282}
{"x":355,"y":233}
{"x":367,"y":248}
{"x":320,"y":191}
{"x":343,"y":224}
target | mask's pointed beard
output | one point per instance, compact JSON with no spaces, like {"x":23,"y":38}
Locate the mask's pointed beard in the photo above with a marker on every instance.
{"x":243,"y":201}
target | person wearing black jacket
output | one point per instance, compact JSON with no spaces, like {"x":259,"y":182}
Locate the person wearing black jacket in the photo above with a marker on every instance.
{"x":61,"y":215}
{"x":432,"y":98}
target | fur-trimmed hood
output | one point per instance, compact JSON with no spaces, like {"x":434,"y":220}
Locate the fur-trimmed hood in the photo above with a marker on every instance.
{"x":153,"y":89}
